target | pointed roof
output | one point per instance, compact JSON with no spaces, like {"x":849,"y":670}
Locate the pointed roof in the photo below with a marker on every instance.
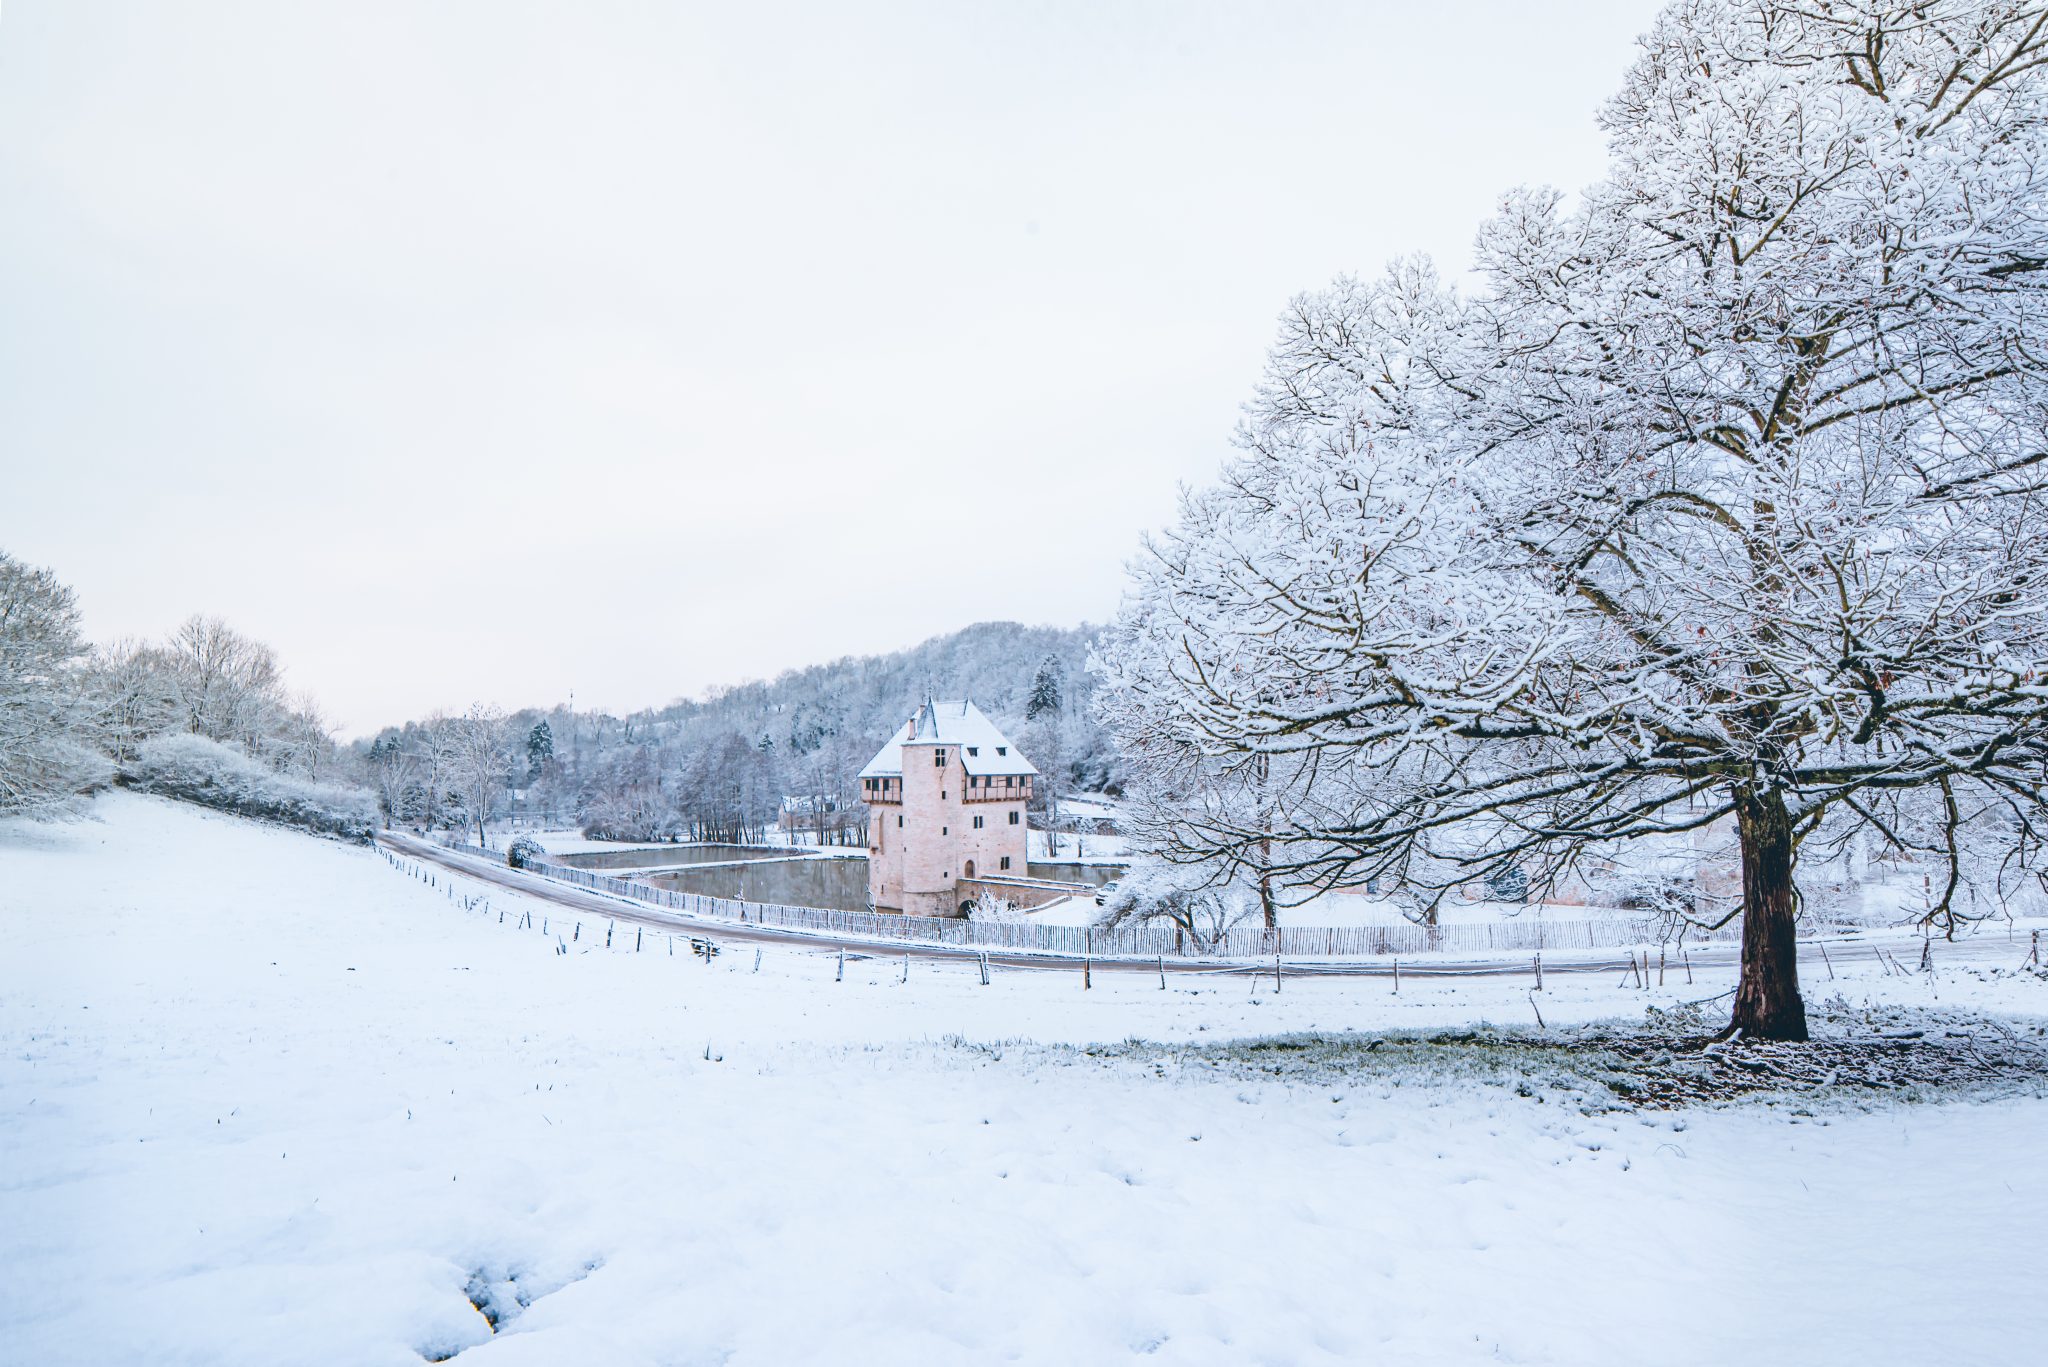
{"x":983,"y":748}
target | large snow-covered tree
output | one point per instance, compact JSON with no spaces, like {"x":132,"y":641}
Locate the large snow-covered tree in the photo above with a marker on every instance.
{"x":46,"y":757}
{"x":1720,"y":497}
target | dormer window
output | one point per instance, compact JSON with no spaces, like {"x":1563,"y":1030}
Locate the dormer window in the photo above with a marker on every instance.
{"x":1002,"y":749}
{"x":974,"y":749}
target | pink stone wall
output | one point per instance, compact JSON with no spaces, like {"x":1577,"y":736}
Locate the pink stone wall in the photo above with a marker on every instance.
{"x":915,"y":868}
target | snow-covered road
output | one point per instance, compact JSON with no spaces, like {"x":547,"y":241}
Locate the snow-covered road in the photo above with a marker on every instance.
{"x":265,"y":1100}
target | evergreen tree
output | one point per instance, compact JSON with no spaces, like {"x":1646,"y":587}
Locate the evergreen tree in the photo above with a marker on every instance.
{"x":1048,"y":689}
{"x":540,"y":748}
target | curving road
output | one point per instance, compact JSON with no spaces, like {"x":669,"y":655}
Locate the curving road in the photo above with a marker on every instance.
{"x":1904,"y":945}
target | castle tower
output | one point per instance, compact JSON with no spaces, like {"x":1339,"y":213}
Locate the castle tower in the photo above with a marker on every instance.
{"x":946,"y":800}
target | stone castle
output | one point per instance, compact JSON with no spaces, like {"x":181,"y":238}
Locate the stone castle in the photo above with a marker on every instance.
{"x":946,"y":800}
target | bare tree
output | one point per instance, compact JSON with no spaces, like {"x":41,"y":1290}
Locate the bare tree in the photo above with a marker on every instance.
{"x":229,"y":687}
{"x":132,"y":694}
{"x":480,"y":759}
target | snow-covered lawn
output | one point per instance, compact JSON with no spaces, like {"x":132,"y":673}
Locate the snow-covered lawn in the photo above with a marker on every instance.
{"x":1079,"y":849}
{"x":265,"y":1099}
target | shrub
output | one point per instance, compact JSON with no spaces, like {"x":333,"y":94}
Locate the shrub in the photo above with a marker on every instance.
{"x":524,"y":851}
{"x":195,"y":769}
{"x":986,"y":906}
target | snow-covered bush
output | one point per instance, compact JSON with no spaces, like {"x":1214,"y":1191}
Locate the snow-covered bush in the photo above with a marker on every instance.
{"x":986,"y":906}
{"x":524,"y":852}
{"x":195,"y":769}
{"x":1155,"y":892}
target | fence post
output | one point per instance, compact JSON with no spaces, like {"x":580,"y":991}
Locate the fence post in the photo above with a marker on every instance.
{"x":1539,"y":970}
{"x":1162,"y":973}
{"x":1087,"y":976}
{"x":841,"y":977}
{"x":1276,"y":972}
{"x":984,"y":968}
{"x":1397,"y":974}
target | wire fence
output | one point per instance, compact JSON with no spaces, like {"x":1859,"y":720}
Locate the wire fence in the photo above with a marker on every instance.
{"x":1143,"y":942}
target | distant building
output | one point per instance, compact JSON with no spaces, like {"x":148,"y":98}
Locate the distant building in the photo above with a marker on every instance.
{"x":946,"y":799}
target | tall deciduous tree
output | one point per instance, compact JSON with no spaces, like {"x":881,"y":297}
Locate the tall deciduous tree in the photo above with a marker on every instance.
{"x":45,"y":758}
{"x":1719,"y":500}
{"x":229,"y":687}
{"x":479,"y":760}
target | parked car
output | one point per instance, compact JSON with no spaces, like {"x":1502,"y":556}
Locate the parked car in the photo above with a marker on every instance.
{"x":1105,"y":892}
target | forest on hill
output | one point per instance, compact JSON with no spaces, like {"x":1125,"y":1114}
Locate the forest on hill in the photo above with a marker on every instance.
{"x":722,"y":766}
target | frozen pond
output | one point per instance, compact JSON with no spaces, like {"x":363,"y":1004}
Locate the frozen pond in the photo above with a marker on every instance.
{"x":834,"y":884}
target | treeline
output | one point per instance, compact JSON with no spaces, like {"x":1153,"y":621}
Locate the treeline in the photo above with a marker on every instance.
{"x":739,"y":761}
{"x":203,"y":714}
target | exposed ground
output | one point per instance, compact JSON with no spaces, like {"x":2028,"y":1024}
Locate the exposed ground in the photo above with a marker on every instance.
{"x":1859,"y":1057}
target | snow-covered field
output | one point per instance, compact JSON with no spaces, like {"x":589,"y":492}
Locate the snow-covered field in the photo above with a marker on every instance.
{"x":265,"y":1099}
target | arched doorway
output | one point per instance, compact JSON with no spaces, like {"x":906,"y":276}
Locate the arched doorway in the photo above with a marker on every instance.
{"x":970,"y":870}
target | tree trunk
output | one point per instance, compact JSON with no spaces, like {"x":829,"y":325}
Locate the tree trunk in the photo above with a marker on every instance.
{"x":1767,"y":1001}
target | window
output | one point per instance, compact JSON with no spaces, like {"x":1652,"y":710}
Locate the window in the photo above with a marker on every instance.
{"x":1002,"y":749}
{"x":939,"y":758}
{"x":899,"y":819}
{"x":1013,"y":819}
{"x":942,"y":830}
{"x":974,"y":749}
{"x":977,"y":823}
{"x":1010,"y":782}
{"x":1006,"y":861}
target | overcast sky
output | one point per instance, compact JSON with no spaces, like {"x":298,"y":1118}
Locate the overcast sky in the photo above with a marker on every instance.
{"x":490,"y":351}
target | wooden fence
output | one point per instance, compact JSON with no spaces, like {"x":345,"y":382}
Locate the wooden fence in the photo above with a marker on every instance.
{"x":1146,"y":942}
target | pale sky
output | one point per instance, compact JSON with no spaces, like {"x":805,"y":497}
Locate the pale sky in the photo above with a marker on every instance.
{"x":490,"y":351}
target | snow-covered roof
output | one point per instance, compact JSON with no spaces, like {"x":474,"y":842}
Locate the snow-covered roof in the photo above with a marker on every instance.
{"x":983,"y":749}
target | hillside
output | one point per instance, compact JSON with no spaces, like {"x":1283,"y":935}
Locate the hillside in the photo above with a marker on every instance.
{"x":868,"y":696}
{"x":718,"y":767}
{"x":266,"y":1099}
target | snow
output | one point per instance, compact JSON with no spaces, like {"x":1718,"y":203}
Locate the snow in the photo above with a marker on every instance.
{"x":983,"y":748}
{"x":571,"y":841}
{"x":1067,"y":911}
{"x":265,"y":1099}
{"x":1080,"y":849}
